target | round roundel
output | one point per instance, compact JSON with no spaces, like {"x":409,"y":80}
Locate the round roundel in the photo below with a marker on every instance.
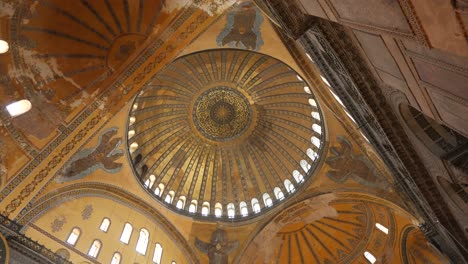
{"x":224,"y":134}
{"x":222,"y":113}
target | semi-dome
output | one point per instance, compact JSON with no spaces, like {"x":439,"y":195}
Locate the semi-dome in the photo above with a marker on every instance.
{"x":224,"y":134}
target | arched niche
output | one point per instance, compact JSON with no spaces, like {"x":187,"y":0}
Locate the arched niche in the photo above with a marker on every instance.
{"x":457,"y":192}
{"x":416,"y":249}
{"x":438,"y":138}
{"x":331,"y":228}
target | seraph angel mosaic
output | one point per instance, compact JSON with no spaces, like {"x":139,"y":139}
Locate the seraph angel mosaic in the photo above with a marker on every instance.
{"x":242,"y":28}
{"x":103,"y":156}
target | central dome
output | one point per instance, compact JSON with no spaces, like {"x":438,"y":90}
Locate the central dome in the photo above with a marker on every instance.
{"x":222,"y":113}
{"x":224,"y":134}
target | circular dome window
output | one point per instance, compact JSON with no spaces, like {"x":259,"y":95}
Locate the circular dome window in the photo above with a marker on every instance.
{"x":224,"y":134}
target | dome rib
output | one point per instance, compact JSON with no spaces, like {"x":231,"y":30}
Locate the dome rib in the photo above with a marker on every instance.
{"x":224,"y":126}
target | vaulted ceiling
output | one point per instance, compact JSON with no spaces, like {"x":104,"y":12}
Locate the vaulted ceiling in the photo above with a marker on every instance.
{"x":209,"y":99}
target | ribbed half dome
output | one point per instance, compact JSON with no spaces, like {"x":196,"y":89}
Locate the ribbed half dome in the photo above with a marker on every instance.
{"x":224,"y":134}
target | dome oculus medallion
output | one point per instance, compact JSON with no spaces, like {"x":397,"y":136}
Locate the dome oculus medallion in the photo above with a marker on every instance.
{"x":224,"y":134}
{"x":222,"y":113}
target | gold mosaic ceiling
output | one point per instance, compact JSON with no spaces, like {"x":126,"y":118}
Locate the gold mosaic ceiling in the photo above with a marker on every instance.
{"x":337,"y":228}
{"x":224,"y":126}
{"x":65,"y":48}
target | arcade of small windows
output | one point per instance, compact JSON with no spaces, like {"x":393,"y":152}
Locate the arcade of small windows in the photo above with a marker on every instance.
{"x":230,"y":211}
{"x":230,"y":208}
{"x":141,"y":246}
{"x":192,"y":207}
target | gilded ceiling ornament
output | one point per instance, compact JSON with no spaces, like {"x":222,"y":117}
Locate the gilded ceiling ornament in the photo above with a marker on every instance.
{"x":87,"y":212}
{"x":222,"y":113}
{"x":58,"y":223}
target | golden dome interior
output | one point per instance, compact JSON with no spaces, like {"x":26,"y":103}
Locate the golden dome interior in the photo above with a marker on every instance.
{"x":223,"y":128}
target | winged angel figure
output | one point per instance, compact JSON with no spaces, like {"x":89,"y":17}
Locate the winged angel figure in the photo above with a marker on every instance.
{"x":218,"y":248}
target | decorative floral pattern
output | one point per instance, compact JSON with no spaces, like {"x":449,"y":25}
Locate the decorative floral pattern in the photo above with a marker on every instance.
{"x":87,"y":212}
{"x":58,"y":223}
